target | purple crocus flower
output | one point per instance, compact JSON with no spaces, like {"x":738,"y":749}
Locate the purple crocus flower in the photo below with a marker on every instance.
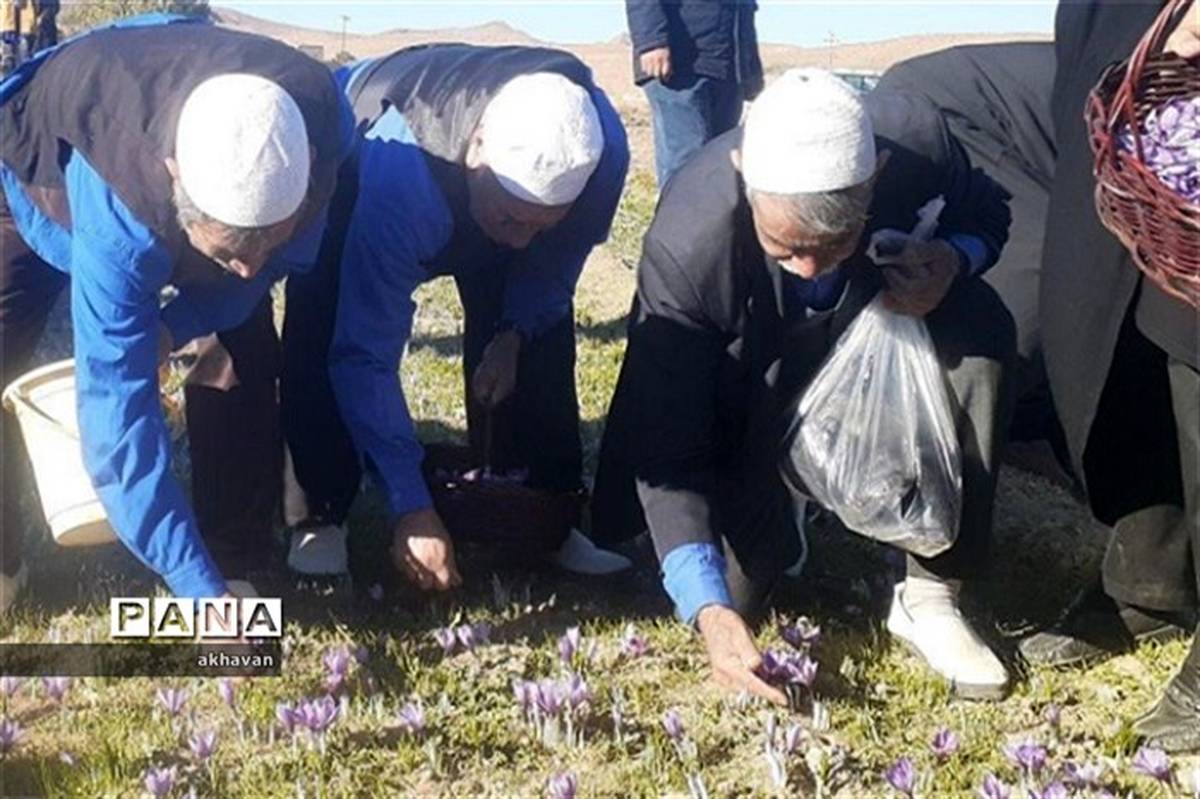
{"x":803,"y":634}
{"x":1028,"y":755}
{"x":771,"y":666}
{"x":944,"y":744}
{"x":578,"y":692}
{"x":412,"y":718}
{"x":1154,"y":763}
{"x":317,"y":715}
{"x":203,"y":744}
{"x":550,"y":698}
{"x":172,"y":700}
{"x":446,"y":638}
{"x":633,"y":644}
{"x":228,"y":692}
{"x":792,"y":738}
{"x":801,"y":670}
{"x":10,"y":735}
{"x":525,"y":692}
{"x":994,"y":788}
{"x":673,"y":725}
{"x":159,"y":781}
{"x":337,"y":660}
{"x":10,"y":685}
{"x":57,"y":687}
{"x":1085,"y":775}
{"x":473,"y":635}
{"x":568,"y":645}
{"x":1055,"y":790}
{"x":562,"y":786}
{"x":902,"y":776}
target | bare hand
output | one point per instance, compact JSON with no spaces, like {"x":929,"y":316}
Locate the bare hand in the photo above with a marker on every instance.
{"x":656,"y":63}
{"x":423,"y":552}
{"x":732,"y":653}
{"x":495,"y":378}
{"x":1184,"y":41}
{"x":922,"y":277}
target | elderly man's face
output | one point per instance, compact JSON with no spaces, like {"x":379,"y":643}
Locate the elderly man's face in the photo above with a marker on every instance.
{"x":212,"y":240}
{"x":798,"y":251}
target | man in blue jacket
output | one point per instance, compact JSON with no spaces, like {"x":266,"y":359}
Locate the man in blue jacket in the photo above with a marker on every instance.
{"x":155,"y":153}
{"x":499,"y":166}
{"x":697,"y":62}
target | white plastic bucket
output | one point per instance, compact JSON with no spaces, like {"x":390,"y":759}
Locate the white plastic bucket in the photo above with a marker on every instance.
{"x":44,"y":403}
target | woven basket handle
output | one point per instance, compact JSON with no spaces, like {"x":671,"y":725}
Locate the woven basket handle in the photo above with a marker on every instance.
{"x":1151,"y":44}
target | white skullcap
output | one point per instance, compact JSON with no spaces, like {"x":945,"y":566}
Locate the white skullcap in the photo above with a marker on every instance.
{"x":242,"y":150}
{"x":807,"y":132}
{"x":542,"y":139}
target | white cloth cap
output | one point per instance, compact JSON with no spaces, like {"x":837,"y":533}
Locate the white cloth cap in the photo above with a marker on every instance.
{"x":242,"y":149}
{"x":542,"y":139}
{"x":807,"y":132}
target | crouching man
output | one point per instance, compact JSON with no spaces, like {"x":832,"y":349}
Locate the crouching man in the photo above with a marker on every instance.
{"x":499,"y":166}
{"x":158,"y":152}
{"x":752,"y":268}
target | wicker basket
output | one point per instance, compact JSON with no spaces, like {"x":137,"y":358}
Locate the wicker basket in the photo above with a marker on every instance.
{"x":1160,"y":228}
{"x":503,"y":514}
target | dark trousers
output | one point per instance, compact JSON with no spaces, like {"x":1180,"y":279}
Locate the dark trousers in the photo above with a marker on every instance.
{"x":537,"y":428}
{"x":688,"y":112}
{"x":233,"y":432}
{"x":1152,"y":556}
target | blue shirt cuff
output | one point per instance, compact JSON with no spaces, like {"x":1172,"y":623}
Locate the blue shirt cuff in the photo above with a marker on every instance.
{"x":694,"y":576}
{"x":973,"y":250}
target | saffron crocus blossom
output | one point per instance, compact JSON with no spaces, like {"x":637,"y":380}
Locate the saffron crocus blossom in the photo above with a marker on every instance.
{"x":1155,"y":764}
{"x":228,"y":692}
{"x":10,"y":735}
{"x":792,"y":738}
{"x":412,"y":718}
{"x":994,"y":788}
{"x":446,"y":639}
{"x":902,"y":776}
{"x":57,"y":687}
{"x":10,"y":685}
{"x":673,"y":725}
{"x":317,"y":715}
{"x":1027,"y":755}
{"x":172,"y":700}
{"x":1084,"y":775}
{"x":579,"y":695}
{"x":944,"y":744}
{"x":788,"y":668}
{"x":568,"y":645}
{"x":473,"y":635}
{"x":159,"y":781}
{"x":1055,"y":790}
{"x":525,"y":692}
{"x":203,"y":744}
{"x":633,"y":644}
{"x":285,"y":713}
{"x":562,"y":786}
{"x":551,"y":697}
{"x":803,"y":634}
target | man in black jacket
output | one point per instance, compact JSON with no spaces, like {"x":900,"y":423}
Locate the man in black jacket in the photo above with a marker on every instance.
{"x":1123,"y":359}
{"x":698,"y":62}
{"x":753,"y":267}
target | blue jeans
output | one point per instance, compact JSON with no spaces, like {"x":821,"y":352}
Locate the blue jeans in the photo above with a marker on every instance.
{"x":687,"y":113}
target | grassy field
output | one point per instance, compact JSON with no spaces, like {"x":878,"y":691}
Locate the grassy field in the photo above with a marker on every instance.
{"x":872,"y":703}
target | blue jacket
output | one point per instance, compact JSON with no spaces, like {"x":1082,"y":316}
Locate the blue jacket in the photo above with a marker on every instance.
{"x":402,"y":222}
{"x":710,"y":38}
{"x":118,"y":270}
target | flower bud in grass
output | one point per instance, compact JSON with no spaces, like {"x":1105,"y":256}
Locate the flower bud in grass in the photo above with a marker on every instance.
{"x":10,"y":735}
{"x":1027,"y":755}
{"x":203,"y":744}
{"x":412,"y":718}
{"x":1155,"y":764}
{"x":673,"y":725}
{"x":57,"y":687}
{"x":562,"y":786}
{"x":993,"y":788}
{"x":159,"y":781}
{"x":172,"y":700}
{"x":902,"y":776}
{"x":944,"y":744}
{"x":228,"y":692}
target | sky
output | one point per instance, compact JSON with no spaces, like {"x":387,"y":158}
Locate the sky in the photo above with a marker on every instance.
{"x":798,"y":22}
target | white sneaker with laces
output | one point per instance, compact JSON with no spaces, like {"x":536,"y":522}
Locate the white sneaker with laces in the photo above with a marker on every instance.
{"x":11,"y":588}
{"x":578,"y":554}
{"x":319,"y":551}
{"x":926,"y":617}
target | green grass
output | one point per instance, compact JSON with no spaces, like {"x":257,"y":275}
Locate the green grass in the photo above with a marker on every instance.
{"x":882,"y":704}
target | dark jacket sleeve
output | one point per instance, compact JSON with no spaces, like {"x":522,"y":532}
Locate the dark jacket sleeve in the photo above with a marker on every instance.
{"x":976,"y":205}
{"x":672,"y":364}
{"x":648,"y":28}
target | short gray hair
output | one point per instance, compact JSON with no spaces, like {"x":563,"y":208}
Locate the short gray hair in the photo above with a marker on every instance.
{"x":827,"y":214}
{"x":237,"y":239}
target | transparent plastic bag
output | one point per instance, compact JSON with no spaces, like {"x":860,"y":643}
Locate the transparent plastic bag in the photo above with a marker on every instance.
{"x":874,"y":441}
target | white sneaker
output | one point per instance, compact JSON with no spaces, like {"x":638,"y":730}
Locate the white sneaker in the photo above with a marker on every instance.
{"x":925,"y":616}
{"x":319,"y":550}
{"x":11,"y":588}
{"x":578,"y":554}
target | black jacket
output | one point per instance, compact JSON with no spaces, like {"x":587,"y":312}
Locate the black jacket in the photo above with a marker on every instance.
{"x":1090,"y":287}
{"x":711,"y":38}
{"x":697,"y":414}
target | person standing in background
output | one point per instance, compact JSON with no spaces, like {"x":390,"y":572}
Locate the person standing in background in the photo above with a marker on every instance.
{"x":45,"y":25}
{"x":697,"y":62}
{"x":14,"y":18}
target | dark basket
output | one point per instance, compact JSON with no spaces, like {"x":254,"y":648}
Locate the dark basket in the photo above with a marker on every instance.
{"x":1160,"y":228}
{"x":501,"y":514}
